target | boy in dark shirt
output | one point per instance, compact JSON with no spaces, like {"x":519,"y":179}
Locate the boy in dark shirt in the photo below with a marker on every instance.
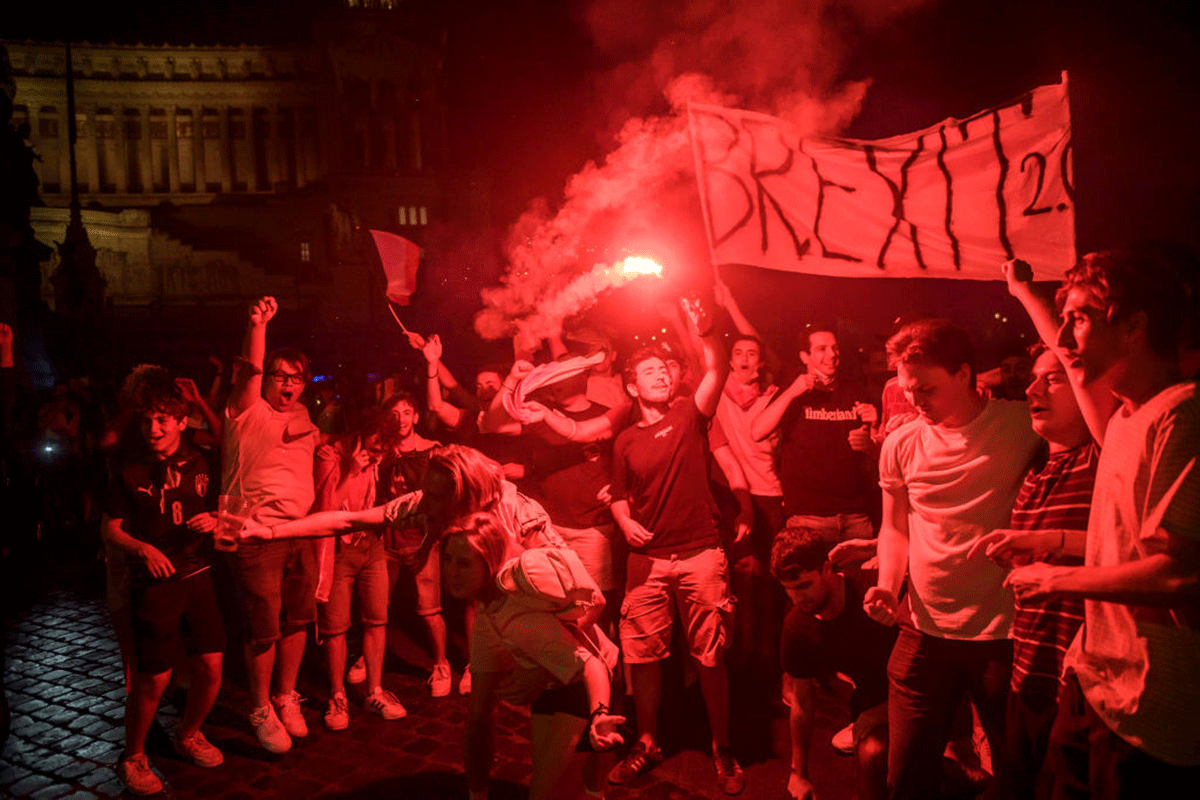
{"x":664,"y":507}
{"x":160,"y":514}
{"x":827,"y":634}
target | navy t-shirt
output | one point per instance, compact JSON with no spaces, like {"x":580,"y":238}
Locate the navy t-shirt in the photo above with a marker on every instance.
{"x":820,"y":473}
{"x":662,"y":470}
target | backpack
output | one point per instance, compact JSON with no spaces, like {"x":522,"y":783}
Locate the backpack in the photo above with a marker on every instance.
{"x":553,"y":579}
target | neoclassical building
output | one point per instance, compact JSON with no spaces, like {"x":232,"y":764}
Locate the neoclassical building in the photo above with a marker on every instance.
{"x":210,"y":174}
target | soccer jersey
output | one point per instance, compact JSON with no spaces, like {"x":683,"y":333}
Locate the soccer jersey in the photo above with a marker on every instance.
{"x":155,"y":499}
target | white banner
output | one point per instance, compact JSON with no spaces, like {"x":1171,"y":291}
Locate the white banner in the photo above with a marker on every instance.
{"x":951,"y":201}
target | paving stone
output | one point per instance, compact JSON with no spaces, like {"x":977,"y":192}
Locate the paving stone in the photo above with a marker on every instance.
{"x":97,"y":777}
{"x":72,"y":769}
{"x":29,"y":784}
{"x":50,"y":792}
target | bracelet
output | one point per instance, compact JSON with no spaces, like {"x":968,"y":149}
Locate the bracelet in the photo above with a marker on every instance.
{"x":574,"y":428}
{"x":271,"y":533}
{"x":597,"y":711}
{"x":432,"y":377}
{"x":1062,"y":543}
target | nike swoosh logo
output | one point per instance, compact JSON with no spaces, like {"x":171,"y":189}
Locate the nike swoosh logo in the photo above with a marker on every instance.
{"x":288,"y":438}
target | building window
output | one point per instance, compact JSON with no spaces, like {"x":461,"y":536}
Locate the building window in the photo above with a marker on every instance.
{"x":412,"y":215}
{"x":48,"y":128}
{"x":402,"y":215}
{"x":424,"y":220}
{"x":305,"y":252}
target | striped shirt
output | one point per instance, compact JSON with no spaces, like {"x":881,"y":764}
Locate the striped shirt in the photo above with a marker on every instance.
{"x":1057,"y":496}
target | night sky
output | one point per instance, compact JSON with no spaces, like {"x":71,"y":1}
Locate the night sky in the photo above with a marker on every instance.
{"x":536,"y":89}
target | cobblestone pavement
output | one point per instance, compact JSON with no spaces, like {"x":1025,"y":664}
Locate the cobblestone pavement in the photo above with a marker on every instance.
{"x":63,"y":677}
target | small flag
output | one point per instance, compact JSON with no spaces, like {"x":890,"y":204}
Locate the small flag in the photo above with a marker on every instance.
{"x":400,"y":258}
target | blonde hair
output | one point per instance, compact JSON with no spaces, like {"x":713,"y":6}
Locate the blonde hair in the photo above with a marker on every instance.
{"x":483,"y":534}
{"x":477,"y":479}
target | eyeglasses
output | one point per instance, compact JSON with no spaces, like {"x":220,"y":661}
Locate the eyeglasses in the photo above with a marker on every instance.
{"x":286,"y":378}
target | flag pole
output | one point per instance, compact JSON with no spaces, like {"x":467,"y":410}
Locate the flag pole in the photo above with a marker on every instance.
{"x":397,"y":318}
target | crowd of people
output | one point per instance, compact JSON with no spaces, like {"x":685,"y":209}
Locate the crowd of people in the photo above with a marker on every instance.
{"x":1004,"y":566}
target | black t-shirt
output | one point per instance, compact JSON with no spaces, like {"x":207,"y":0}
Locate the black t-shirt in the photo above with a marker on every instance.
{"x":820,"y":473}
{"x":157,"y":498}
{"x":401,"y":473}
{"x":568,"y":475}
{"x":499,"y":447}
{"x":851,"y":643}
{"x":662,"y":469}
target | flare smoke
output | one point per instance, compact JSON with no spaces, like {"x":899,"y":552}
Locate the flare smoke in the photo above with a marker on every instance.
{"x":779,"y":56}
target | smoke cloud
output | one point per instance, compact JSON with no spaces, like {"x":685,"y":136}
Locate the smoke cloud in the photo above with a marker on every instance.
{"x":784,"y":57}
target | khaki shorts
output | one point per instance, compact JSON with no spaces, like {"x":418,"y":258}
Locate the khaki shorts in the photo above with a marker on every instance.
{"x":695,"y":583}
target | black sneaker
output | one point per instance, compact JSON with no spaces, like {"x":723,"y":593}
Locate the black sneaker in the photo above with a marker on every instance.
{"x":637,"y":761}
{"x":730,"y":777}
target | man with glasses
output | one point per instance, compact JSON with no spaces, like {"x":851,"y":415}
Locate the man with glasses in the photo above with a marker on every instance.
{"x":268,"y":459}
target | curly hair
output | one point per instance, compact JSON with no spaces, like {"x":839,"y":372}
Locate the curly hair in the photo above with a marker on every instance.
{"x":933,"y":342}
{"x":797,"y":549}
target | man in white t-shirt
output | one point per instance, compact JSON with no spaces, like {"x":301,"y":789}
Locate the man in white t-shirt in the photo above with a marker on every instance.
{"x":949,"y":477}
{"x":1127,"y":722}
{"x":268,"y":459}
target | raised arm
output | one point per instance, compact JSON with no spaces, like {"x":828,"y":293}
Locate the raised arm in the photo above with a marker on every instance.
{"x":247,"y":386}
{"x":187,"y":387}
{"x":434,"y":379}
{"x":712,"y":354}
{"x":742,"y":323}
{"x":1096,"y":401}
{"x":769,"y":418}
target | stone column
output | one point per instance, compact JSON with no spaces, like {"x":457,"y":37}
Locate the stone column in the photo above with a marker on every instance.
{"x":225,"y":158}
{"x":298,"y":146}
{"x":90,"y":150}
{"x":145,"y":155}
{"x":198,"y":149}
{"x":122,"y":165}
{"x":251,"y":149}
{"x":273,"y":145}
{"x":64,"y":155}
{"x":172,"y":150}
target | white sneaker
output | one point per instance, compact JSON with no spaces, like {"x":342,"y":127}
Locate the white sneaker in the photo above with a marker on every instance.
{"x":843,"y":740}
{"x":440,"y":680}
{"x":270,"y":731}
{"x":358,"y":672}
{"x":337,"y":716}
{"x":288,"y":706}
{"x":385,"y":704}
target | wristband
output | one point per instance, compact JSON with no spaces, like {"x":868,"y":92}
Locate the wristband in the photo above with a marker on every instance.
{"x":271,"y":533}
{"x":597,"y":711}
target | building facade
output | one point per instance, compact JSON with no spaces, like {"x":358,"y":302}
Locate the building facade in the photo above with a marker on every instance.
{"x":211,"y":174}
